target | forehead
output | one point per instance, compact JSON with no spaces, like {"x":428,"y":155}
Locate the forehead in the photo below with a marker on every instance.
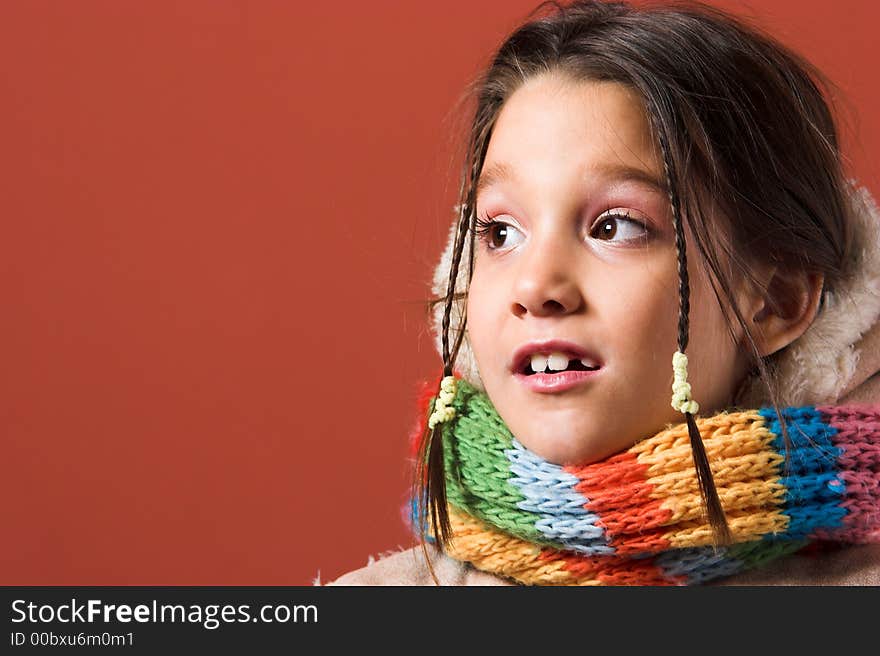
{"x":553,"y":126}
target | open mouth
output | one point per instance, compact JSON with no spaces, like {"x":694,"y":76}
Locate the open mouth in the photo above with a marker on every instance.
{"x":554,"y":364}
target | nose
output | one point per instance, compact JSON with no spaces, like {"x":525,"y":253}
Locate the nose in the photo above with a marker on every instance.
{"x":546,"y":282}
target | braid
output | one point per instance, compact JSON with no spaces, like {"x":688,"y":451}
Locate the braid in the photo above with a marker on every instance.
{"x":708,"y":491}
{"x":430,"y":468}
{"x":461,"y":229}
{"x":681,"y":256}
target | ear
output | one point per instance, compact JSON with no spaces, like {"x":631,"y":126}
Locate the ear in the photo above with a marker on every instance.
{"x":784,"y":310}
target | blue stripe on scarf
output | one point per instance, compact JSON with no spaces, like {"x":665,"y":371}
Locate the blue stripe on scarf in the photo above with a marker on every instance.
{"x":810,"y":475}
{"x":562,"y":517}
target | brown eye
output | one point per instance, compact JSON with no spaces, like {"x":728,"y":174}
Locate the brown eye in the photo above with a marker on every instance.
{"x":619,"y":227}
{"x":496,"y":234}
{"x":607,"y":229}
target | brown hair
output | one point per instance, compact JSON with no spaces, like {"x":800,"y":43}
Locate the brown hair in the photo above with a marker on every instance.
{"x":745,"y":134}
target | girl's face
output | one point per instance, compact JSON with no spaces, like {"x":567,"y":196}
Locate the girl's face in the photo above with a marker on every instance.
{"x":583,"y":251}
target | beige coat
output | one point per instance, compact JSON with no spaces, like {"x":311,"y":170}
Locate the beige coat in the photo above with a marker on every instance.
{"x":837,"y":360}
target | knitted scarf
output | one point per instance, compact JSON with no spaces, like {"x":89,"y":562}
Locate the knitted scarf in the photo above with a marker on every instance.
{"x":636,"y":518}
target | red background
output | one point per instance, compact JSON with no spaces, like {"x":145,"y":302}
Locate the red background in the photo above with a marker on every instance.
{"x":219,"y":221}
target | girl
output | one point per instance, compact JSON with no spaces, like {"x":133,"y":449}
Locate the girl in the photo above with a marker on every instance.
{"x":644,"y":184}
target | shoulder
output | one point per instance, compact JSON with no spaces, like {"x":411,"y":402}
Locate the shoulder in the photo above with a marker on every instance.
{"x":408,"y":568}
{"x":851,"y":565}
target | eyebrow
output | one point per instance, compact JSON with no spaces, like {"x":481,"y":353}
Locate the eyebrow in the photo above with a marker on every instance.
{"x":502,"y":172}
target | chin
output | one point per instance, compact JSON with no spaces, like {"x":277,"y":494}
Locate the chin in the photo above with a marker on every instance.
{"x":566,"y":448}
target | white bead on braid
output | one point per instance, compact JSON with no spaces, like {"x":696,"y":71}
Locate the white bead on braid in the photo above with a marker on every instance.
{"x":443,"y":411}
{"x":681,"y":389}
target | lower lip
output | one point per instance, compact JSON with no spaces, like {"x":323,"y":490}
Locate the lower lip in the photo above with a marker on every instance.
{"x":552,"y":383}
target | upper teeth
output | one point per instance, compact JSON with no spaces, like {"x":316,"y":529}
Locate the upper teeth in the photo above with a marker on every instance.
{"x":556,"y":361}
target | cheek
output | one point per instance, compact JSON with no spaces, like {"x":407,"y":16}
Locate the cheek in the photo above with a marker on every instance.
{"x":642,"y":311}
{"x":482,"y":316}
{"x":714,"y":354}
{"x":708,"y":327}
{"x":712,"y":348}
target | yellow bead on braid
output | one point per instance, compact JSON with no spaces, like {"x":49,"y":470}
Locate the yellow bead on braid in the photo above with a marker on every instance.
{"x":681,"y":389}
{"x":443,"y":411}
